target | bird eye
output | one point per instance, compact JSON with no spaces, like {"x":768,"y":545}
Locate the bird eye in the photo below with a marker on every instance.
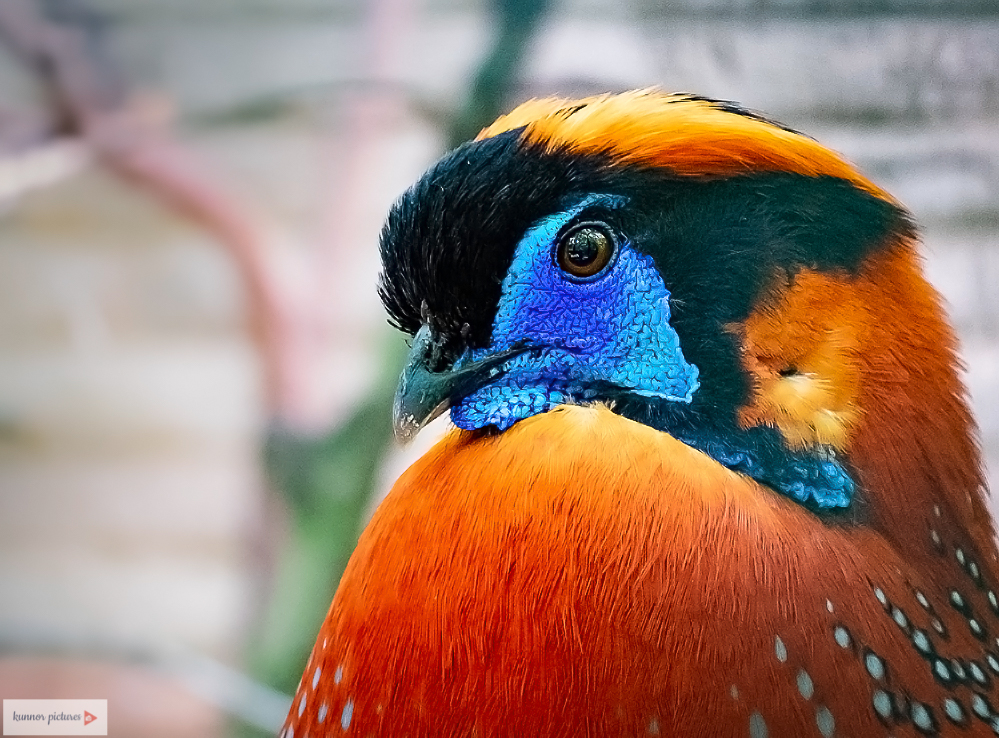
{"x":585,"y":250}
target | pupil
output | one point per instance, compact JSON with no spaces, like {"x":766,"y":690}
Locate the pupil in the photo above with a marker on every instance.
{"x":583,"y":247}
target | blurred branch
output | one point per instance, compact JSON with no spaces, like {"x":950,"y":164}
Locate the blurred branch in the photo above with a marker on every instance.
{"x":328,"y":482}
{"x":329,"y":479}
{"x":517,"y":20}
{"x":63,"y":42}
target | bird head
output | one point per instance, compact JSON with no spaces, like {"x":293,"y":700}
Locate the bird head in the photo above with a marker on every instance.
{"x":697,"y":268}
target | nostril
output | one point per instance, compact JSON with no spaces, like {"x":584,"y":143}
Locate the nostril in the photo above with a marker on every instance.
{"x":789,"y":371}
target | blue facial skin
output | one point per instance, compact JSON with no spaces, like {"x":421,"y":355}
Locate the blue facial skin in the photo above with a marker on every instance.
{"x":611,"y":330}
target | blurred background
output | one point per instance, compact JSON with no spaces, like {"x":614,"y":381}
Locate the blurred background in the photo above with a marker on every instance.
{"x":195,"y":372}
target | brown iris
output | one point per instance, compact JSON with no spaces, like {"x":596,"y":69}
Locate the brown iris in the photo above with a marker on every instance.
{"x":585,"y":250}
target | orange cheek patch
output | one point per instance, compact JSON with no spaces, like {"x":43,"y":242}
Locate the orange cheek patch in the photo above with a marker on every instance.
{"x":802,"y":348}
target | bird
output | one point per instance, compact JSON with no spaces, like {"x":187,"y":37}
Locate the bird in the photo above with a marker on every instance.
{"x":712,"y":470}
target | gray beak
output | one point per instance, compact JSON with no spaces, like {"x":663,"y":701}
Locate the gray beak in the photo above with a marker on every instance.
{"x":424,"y":392}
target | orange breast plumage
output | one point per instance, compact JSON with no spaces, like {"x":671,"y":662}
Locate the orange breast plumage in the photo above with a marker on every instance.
{"x":585,"y":575}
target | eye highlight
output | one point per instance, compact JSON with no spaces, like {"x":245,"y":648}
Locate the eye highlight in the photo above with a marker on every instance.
{"x":586,"y":249}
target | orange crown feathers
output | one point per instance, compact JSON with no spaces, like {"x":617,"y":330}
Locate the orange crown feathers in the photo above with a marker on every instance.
{"x":690,"y":135}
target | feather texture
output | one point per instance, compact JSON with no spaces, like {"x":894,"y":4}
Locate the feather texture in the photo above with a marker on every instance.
{"x":796,"y":545}
{"x":582,"y":574}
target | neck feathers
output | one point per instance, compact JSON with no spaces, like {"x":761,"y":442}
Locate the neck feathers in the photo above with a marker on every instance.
{"x":916,"y":446}
{"x":865,"y":363}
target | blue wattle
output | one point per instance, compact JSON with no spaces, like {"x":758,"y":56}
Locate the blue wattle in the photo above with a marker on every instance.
{"x":814,"y":478}
{"x":611,"y":330}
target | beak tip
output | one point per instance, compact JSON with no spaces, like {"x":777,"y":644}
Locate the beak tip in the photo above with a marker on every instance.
{"x":405,"y":428}
{"x":407,"y":424}
{"x":427,"y":390}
